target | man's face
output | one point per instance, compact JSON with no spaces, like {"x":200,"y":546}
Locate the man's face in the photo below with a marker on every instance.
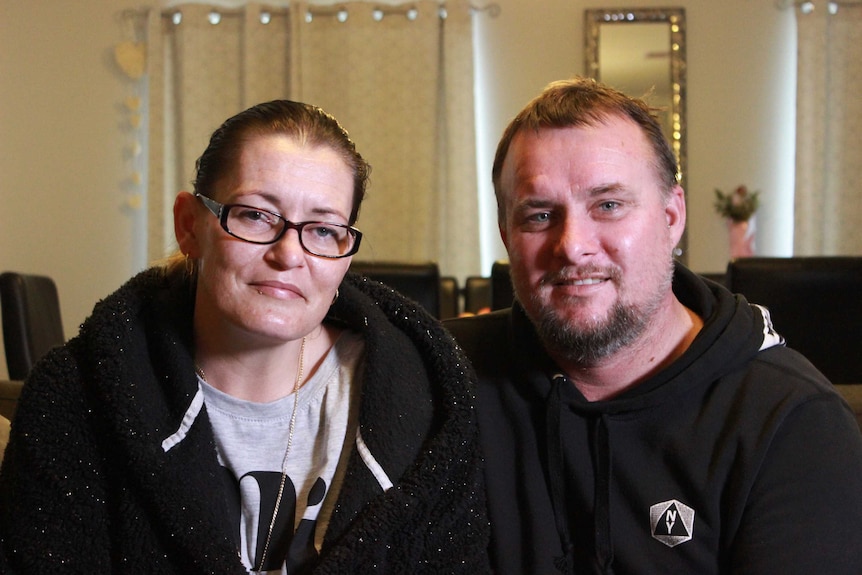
{"x":589,"y":234}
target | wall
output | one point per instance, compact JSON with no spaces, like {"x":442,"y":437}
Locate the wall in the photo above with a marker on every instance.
{"x":62,"y":130}
{"x":741,"y":103}
{"x":61,"y":150}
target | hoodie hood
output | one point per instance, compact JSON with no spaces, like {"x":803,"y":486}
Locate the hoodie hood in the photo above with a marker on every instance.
{"x":734,"y":332}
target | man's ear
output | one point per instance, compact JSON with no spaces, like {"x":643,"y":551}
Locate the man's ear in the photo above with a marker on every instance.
{"x":675,"y":213}
{"x":186,"y":213}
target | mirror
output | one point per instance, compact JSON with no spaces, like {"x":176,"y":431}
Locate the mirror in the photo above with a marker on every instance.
{"x":642,"y":52}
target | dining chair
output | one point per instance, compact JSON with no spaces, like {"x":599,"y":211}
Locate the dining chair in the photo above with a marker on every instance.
{"x":815,"y":302}
{"x":32,"y":324}
{"x":419,"y":281}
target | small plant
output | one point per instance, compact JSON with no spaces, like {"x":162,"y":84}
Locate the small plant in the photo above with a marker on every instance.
{"x":738,"y":205}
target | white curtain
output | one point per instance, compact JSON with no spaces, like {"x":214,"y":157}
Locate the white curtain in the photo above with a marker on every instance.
{"x":828,"y":207}
{"x":401,"y":84}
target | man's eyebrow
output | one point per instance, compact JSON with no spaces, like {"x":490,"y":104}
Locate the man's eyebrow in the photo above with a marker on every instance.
{"x":532,"y":203}
{"x":604,"y":189}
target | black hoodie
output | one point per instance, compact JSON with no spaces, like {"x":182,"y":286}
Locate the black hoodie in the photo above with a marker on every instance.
{"x":737,"y":458}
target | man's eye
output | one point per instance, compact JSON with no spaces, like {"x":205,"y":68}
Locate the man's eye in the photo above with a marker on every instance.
{"x":539,"y":218}
{"x":609,"y":206}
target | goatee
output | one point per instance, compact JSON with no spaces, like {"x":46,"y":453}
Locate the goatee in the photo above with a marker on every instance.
{"x":586,"y":345}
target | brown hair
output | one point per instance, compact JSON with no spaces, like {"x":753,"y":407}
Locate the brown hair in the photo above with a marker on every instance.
{"x":585,"y":102}
{"x":309,"y":125}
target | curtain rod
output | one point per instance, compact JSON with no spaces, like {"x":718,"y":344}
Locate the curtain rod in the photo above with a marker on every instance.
{"x":811,"y":4}
{"x":493,"y":9}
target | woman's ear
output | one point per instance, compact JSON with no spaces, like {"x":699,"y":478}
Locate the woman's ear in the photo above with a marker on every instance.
{"x":186,"y":213}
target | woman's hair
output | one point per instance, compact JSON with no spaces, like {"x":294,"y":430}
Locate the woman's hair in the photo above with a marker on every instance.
{"x":585,"y":102}
{"x":308,"y":125}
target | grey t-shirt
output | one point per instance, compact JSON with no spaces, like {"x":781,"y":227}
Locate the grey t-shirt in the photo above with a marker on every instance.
{"x":251,"y":439}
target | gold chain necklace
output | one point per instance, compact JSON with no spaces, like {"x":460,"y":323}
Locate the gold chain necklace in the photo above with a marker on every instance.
{"x":292,"y":426}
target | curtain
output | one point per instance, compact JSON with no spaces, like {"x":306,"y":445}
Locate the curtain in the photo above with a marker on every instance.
{"x":828,"y":205}
{"x":400,"y":81}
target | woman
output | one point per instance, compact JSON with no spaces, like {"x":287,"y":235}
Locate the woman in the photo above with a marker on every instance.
{"x":249,"y":406}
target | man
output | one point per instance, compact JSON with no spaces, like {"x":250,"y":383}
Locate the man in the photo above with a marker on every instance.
{"x":635,"y":418}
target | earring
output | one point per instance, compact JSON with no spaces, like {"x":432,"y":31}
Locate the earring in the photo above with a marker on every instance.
{"x":335,"y":297}
{"x":191,"y":266}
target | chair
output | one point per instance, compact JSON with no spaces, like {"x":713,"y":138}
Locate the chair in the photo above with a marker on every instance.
{"x":502,"y":293}
{"x":417,"y":281}
{"x":32,"y":324}
{"x":815,"y":303}
{"x":9,"y":393}
{"x":450,"y":297}
{"x":477,"y":294}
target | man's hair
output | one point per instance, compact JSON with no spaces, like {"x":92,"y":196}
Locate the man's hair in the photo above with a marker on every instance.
{"x":585,"y":102}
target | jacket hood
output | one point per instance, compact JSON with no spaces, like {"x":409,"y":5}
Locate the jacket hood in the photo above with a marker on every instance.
{"x":733,"y":333}
{"x":141,"y":372}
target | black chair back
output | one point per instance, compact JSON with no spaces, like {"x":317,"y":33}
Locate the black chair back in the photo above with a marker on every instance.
{"x":417,"y":281}
{"x":814,"y":302}
{"x":32,"y":324}
{"x":502,"y":293}
{"x":477,"y":294}
{"x":450,"y":297}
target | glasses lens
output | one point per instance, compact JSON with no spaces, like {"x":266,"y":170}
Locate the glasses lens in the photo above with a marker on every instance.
{"x":262,"y":227}
{"x":324,"y":239}
{"x":252,"y":224}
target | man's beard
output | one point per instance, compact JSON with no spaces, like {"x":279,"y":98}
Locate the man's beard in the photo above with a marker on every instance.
{"x":586,"y":344}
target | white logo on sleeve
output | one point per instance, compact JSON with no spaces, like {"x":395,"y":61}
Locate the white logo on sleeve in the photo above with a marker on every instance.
{"x":671,"y":522}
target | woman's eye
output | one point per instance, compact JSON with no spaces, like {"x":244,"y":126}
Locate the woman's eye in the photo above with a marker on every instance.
{"x":252,"y":215}
{"x":325,"y":231}
{"x":322,"y":231}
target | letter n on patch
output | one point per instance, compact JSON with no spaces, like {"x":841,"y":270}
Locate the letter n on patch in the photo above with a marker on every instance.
{"x":671,"y":522}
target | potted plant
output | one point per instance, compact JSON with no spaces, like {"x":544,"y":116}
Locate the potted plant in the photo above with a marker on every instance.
{"x":738,"y":208}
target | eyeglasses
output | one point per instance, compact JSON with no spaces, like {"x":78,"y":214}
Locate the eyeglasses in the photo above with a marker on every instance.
{"x":258,"y":226}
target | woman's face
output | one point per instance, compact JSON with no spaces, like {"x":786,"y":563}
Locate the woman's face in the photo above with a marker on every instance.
{"x":276,"y":292}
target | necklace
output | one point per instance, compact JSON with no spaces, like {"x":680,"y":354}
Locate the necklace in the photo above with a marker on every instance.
{"x":296,"y":385}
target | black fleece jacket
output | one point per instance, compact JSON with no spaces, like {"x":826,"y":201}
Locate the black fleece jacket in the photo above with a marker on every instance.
{"x":87,"y":487}
{"x":738,"y":458}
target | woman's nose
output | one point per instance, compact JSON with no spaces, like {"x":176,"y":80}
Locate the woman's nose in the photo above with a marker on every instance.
{"x":287,"y":251}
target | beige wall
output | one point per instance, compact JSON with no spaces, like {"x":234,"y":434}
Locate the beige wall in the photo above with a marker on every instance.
{"x":741,"y":82}
{"x":62,"y":134}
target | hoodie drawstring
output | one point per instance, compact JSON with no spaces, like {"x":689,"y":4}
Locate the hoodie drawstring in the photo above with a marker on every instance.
{"x":601,"y":443}
{"x":556,"y":474}
{"x":602,"y":495}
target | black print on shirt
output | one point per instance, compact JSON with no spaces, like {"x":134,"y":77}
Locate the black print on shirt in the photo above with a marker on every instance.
{"x":293,"y":549}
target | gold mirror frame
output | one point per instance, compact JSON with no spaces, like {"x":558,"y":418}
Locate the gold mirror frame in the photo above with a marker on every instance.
{"x":594,"y":19}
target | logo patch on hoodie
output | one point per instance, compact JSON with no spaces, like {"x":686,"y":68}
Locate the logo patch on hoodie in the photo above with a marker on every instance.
{"x":671,"y":522}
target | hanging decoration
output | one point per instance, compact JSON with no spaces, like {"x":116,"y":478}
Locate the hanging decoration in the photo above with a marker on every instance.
{"x":130,"y":57}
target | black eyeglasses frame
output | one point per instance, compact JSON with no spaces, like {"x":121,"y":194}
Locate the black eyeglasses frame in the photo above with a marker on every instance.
{"x":221,"y":212}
